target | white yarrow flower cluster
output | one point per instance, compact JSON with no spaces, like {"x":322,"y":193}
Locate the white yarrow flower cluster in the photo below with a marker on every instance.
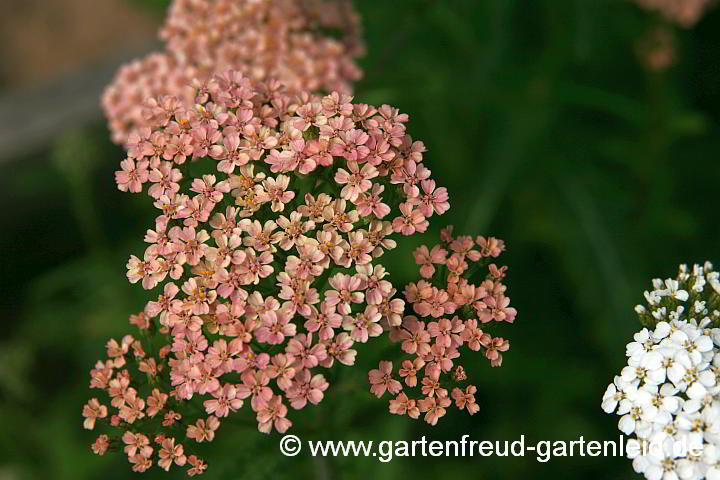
{"x":668,"y":395}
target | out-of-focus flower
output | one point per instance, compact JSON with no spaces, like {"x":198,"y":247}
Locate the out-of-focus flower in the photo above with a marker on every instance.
{"x":683,"y":12}
{"x":101,"y":444}
{"x":288,"y":40}
{"x":92,"y":411}
{"x":656,"y":49}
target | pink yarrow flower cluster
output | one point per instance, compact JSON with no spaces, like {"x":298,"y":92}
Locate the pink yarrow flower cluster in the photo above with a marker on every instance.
{"x":451,"y":314}
{"x":282,"y":39}
{"x":273,"y":209}
{"x":139,"y":407}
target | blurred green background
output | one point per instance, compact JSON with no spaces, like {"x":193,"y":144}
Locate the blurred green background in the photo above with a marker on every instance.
{"x":549,"y":131}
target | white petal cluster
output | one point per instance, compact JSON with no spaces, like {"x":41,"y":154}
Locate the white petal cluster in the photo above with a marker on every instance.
{"x":668,"y":395}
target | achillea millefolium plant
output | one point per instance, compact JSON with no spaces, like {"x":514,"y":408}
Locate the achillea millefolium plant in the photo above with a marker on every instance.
{"x":667,"y":396}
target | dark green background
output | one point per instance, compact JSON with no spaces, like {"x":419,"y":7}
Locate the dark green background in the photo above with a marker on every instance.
{"x":547,"y":131}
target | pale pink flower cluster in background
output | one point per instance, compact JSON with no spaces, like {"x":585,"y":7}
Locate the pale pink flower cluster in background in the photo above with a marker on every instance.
{"x":452,"y":313}
{"x":288,"y":40}
{"x":159,"y":73}
{"x":273,"y":210}
{"x":683,"y":12}
{"x":656,"y":49}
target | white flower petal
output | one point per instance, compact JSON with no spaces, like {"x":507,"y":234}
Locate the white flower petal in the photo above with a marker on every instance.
{"x":626,"y":424}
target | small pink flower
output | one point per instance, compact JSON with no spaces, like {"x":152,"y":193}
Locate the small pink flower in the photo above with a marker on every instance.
{"x":416,"y":338}
{"x":411,"y":221}
{"x":474,"y":336}
{"x":356,"y":181}
{"x":381,"y":380}
{"x":198,"y":466}
{"x":169,"y":453}
{"x":337,"y":218}
{"x":434,"y":408}
{"x":410,"y":369}
{"x":204,"y":137}
{"x":350,"y":144}
{"x":364,"y":325}
{"x":401,"y":405}
{"x":432,"y":200}
{"x":156,"y":402}
{"x":147,"y":270}
{"x":495,"y":308}
{"x":272,"y":414}
{"x":140,"y":462}
{"x":422,"y":258}
{"x":255,"y":384}
{"x":324,"y":321}
{"x":281,"y":370}
{"x":203,"y":430}
{"x":372,"y":203}
{"x":437,"y":305}
{"x":132,"y":408}
{"x":164,"y":304}
{"x":92,"y":411}
{"x":170,"y":418}
{"x":496,"y":346}
{"x":464,"y":246}
{"x":230,"y":154}
{"x":248,"y":360}
{"x":306,"y":354}
{"x":431,"y":387}
{"x":391,"y":309}
{"x":441,"y":357}
{"x":136,"y":443}
{"x":441,"y":331}
{"x":346,"y":292}
{"x":466,"y":399}
{"x":209,"y":188}
{"x":276,"y":326}
{"x":132,"y":176}
{"x":307,"y":388}
{"x":226,"y":399}
{"x":490,"y":246}
{"x":277,"y":192}
{"x":340,"y":349}
{"x":101,"y":445}
{"x":165,"y":180}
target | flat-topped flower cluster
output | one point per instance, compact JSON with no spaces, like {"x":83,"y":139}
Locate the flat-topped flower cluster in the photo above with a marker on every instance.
{"x":667,"y":395}
{"x":273,"y":209}
{"x":451,"y":312}
{"x":308,"y":44}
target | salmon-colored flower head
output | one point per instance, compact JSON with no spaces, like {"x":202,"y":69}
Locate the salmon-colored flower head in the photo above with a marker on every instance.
{"x":263,"y":261}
